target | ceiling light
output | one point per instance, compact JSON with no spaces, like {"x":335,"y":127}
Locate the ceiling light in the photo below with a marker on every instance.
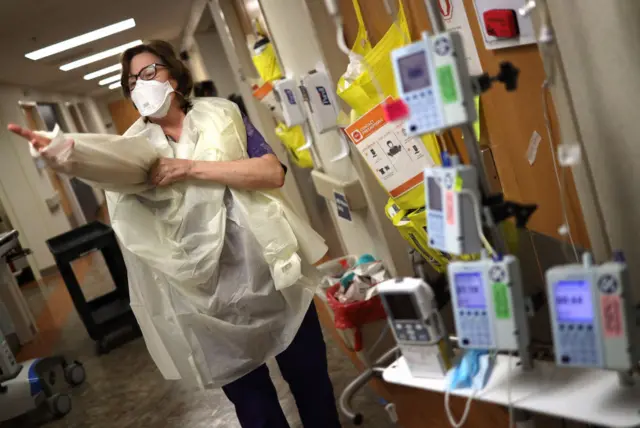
{"x":99,"y":56}
{"x":114,"y":85}
{"x":82,"y":39}
{"x":112,"y":69}
{"x":111,"y":79}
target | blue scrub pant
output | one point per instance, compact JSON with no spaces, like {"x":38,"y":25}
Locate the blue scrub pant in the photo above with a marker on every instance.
{"x":304,"y":366}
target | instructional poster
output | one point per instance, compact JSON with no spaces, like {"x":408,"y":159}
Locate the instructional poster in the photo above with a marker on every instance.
{"x":455,"y":18}
{"x":398,"y":161}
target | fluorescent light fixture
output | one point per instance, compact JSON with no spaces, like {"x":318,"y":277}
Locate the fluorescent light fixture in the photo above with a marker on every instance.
{"x":111,"y":79}
{"x":82,"y":39}
{"x":99,"y":56}
{"x":108,"y":70}
{"x":114,"y":85}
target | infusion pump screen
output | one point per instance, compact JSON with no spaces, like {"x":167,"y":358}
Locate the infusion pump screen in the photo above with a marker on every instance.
{"x":414,"y":72}
{"x":470,"y":291}
{"x":435,"y":194}
{"x":401,"y":306}
{"x":573,"y":301}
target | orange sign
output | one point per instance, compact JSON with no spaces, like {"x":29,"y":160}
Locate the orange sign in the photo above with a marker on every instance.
{"x":397,"y":161}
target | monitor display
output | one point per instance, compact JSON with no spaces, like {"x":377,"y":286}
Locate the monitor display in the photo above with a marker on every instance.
{"x":434,"y":194}
{"x":414,"y":72}
{"x":401,"y":306}
{"x":470,"y":290}
{"x":573,"y":301}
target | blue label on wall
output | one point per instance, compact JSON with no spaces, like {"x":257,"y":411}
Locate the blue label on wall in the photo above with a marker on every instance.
{"x":343,"y":206}
{"x":324,"y":97}
{"x":290,"y":96}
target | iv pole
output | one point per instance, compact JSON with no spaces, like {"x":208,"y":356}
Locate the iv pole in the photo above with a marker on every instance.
{"x":519,"y":418}
{"x":475,"y":157}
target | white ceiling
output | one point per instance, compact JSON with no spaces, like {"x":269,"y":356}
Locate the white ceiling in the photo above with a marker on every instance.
{"x":27,"y":25}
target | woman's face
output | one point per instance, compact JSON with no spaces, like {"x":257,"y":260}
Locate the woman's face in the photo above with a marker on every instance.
{"x":142,"y":65}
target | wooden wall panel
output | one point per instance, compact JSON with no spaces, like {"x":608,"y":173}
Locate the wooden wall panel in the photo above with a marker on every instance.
{"x":509,"y":119}
{"x":124,"y":114}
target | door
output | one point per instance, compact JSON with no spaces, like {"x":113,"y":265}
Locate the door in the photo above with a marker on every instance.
{"x":124,"y":114}
{"x":51,"y":115}
{"x":77,"y":118}
{"x":35,"y":123}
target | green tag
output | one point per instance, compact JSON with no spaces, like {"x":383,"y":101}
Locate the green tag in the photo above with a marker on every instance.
{"x":501,"y":300}
{"x":447,"y":84}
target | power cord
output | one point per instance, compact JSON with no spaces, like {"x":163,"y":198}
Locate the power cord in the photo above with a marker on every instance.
{"x":560,"y":182}
{"x":465,"y":413}
{"x":509,"y":401}
{"x":467,"y":405}
{"x":476,"y":211}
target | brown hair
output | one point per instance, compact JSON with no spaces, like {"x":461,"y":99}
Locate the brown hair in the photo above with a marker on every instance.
{"x":163,"y":50}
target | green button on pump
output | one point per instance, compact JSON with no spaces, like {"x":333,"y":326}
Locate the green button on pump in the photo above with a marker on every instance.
{"x":447,"y":84}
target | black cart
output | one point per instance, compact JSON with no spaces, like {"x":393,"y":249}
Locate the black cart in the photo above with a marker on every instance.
{"x":108,"y":318}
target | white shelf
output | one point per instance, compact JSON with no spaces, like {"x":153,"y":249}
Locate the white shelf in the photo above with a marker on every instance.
{"x":584,"y":395}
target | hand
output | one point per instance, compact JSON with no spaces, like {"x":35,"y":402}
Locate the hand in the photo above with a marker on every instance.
{"x":168,"y":170}
{"x":37,"y":141}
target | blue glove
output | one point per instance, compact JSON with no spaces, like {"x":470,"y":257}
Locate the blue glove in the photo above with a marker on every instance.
{"x":473,"y":371}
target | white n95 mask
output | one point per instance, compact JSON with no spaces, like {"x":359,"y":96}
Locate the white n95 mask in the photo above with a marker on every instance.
{"x":152,"y":98}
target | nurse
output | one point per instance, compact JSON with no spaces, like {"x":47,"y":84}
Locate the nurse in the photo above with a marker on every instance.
{"x":159,"y":84}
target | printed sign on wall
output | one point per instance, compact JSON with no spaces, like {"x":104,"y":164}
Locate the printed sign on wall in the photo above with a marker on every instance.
{"x":398,"y":161}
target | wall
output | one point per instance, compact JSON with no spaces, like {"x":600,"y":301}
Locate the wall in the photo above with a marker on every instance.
{"x":508,"y":118}
{"x":232,"y":38}
{"x":601,"y":56}
{"x":196,"y":64}
{"x":216,"y":63}
{"x":299,"y":49}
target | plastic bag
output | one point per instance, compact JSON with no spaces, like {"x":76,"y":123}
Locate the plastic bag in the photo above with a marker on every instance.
{"x":358,"y":89}
{"x":354,"y":316}
{"x":266,"y":62}
{"x":292,"y":139}
{"x":412,"y":225}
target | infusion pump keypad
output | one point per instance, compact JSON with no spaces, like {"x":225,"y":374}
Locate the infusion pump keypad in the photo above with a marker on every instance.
{"x":578,"y":344}
{"x":476,"y":327}
{"x":425,"y":115}
{"x":411,"y":331}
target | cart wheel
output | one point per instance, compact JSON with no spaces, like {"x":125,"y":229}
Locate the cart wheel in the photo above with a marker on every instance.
{"x":59,"y":405}
{"x":75,"y":374}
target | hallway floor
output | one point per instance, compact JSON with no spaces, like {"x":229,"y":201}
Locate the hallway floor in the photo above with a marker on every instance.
{"x":124,"y":388}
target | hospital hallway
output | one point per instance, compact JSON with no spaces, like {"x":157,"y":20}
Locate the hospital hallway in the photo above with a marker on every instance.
{"x":450,"y":181}
{"x":125,"y":389}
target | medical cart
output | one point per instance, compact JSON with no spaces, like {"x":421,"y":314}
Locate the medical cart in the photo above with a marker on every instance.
{"x":109,"y":315}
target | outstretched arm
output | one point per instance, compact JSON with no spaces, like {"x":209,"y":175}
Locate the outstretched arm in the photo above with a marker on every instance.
{"x":37,"y":141}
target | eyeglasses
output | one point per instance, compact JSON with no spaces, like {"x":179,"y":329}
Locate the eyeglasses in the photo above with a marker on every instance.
{"x":147,"y":73}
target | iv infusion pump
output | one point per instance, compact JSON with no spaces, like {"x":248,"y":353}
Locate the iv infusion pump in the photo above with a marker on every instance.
{"x":592,"y":315}
{"x":489,"y":303}
{"x":417,"y":325}
{"x":433,"y":81}
{"x":451,"y":222}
